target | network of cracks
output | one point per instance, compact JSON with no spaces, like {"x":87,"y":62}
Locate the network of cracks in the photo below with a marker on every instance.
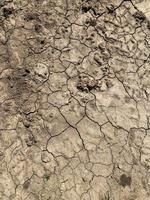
{"x":74,"y":100}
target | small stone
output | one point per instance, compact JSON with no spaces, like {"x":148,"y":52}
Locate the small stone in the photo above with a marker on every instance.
{"x":125,"y":180}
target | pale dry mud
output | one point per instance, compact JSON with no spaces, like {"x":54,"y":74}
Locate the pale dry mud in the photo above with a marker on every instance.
{"x":74,"y":100}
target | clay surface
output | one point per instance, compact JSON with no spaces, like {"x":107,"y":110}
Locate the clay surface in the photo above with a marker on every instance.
{"x":74,"y":100}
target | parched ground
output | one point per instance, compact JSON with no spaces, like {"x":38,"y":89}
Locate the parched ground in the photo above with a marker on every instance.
{"x":74,"y":100}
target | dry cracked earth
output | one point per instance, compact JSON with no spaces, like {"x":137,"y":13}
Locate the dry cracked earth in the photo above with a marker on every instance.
{"x":74,"y":100}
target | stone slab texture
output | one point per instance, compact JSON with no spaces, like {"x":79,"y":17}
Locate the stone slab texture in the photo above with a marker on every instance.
{"x":75,"y":100}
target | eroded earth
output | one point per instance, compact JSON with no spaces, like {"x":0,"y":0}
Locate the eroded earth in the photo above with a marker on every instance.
{"x":74,"y":100}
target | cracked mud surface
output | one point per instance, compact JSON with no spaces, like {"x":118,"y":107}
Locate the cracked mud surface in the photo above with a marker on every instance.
{"x":74,"y":100}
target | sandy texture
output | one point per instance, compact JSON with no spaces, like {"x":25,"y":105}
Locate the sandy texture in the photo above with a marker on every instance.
{"x":74,"y":100}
